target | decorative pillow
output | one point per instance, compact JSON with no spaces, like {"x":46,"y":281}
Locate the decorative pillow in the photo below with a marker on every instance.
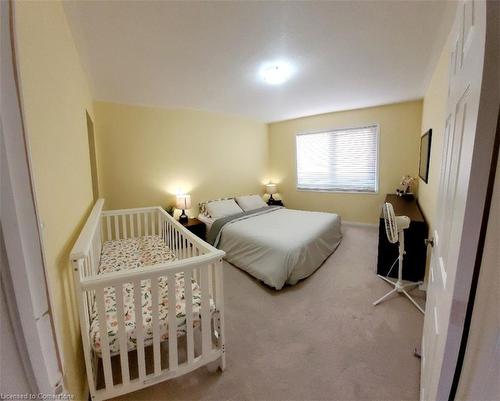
{"x":223,"y":208}
{"x":203,"y":205}
{"x":250,"y":202}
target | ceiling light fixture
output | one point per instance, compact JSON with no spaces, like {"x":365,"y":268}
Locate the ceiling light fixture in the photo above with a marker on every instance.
{"x":276,"y":74}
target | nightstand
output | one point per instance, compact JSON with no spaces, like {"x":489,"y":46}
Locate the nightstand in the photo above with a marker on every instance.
{"x":275,"y":202}
{"x":196,"y":227}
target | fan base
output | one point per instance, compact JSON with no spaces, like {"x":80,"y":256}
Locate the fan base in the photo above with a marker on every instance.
{"x":399,"y":287}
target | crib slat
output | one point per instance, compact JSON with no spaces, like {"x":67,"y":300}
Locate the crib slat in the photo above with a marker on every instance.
{"x":146,"y":226}
{"x":196,"y":275}
{"x":88,"y":294}
{"x":156,"y":324}
{"x":102,"y":227}
{"x":124,"y":225}
{"x":108,"y":223}
{"x":131,"y":221}
{"x":86,"y":270}
{"x":139,"y":329}
{"x":210,"y":279}
{"x":218,"y":291}
{"x":83,"y":309}
{"x":153,"y":225}
{"x":219,"y":305}
{"x":139,"y":228}
{"x":122,"y":336}
{"x":178,"y":243}
{"x":181,"y":245}
{"x":103,"y":331}
{"x":97,"y":248}
{"x":117,"y":228}
{"x":172,"y":324}
{"x":160,"y":231}
{"x":216,"y":285}
{"x":205,"y":312}
{"x":90,"y":264}
{"x":188,"y":292}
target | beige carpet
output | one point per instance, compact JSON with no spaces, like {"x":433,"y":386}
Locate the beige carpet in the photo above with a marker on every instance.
{"x":321,"y":339}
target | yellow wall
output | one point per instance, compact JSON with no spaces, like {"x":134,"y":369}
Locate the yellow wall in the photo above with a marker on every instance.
{"x":433,"y":116}
{"x":400,"y":126}
{"x":55,"y":96}
{"x":146,"y":154}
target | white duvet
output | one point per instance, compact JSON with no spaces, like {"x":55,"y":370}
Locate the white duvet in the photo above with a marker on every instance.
{"x":281,"y":246}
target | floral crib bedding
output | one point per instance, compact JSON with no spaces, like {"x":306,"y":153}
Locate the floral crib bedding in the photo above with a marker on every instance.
{"x":125,"y":254}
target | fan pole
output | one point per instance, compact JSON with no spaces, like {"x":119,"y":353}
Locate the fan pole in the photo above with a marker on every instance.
{"x":399,"y":285}
{"x":401,"y":255}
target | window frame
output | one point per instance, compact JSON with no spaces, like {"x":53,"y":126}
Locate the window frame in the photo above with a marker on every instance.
{"x":324,"y":131}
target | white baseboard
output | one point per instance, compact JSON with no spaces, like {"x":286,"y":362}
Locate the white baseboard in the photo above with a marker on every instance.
{"x":357,"y":224}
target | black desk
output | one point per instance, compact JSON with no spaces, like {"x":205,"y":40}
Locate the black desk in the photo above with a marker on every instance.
{"x":416,"y":251}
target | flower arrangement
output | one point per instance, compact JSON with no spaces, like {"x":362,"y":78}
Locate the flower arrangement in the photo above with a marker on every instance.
{"x":170,"y":209}
{"x":404,"y":188}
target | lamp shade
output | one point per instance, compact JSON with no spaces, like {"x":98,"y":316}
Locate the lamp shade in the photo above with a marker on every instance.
{"x":271,"y":189}
{"x":183,"y":202}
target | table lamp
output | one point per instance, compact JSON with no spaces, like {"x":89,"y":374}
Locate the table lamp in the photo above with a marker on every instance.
{"x":271,"y":189}
{"x":183,"y":203}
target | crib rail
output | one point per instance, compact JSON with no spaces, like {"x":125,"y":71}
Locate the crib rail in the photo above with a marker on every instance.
{"x":157,"y":353}
{"x":132,"y":223}
{"x":87,"y":236}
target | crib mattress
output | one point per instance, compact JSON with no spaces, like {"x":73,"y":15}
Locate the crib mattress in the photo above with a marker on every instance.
{"x":128,"y":254}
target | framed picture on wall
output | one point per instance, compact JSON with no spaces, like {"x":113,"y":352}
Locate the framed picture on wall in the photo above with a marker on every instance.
{"x":425,"y":155}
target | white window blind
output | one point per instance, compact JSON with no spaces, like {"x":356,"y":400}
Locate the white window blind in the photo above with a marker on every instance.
{"x":338,"y":160}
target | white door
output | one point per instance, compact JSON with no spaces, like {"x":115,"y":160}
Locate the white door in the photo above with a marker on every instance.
{"x":460,"y":205}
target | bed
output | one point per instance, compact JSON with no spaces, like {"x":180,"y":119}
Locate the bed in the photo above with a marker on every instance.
{"x":276,"y":245}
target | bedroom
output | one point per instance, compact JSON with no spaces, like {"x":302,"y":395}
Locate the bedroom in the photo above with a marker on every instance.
{"x":141,"y":102}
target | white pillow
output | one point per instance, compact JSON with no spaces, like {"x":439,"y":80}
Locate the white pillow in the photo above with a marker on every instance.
{"x":250,"y":202}
{"x":223,"y":208}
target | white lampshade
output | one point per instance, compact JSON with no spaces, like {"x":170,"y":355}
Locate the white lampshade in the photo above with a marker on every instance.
{"x":271,"y":189}
{"x":183,"y":202}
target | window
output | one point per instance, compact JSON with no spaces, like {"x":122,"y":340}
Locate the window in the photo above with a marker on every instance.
{"x":343,"y":160}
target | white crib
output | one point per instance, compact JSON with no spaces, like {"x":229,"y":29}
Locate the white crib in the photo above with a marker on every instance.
{"x":114,"y":254}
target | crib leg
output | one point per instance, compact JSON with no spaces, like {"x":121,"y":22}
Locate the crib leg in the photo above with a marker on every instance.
{"x":217,"y":364}
{"x":213,"y":366}
{"x":221,"y":362}
{"x":197,"y":341}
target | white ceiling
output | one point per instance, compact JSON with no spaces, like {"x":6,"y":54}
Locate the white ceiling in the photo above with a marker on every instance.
{"x":206,"y":55}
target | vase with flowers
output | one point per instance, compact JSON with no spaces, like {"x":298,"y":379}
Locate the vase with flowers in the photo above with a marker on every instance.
{"x":404,"y":189}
